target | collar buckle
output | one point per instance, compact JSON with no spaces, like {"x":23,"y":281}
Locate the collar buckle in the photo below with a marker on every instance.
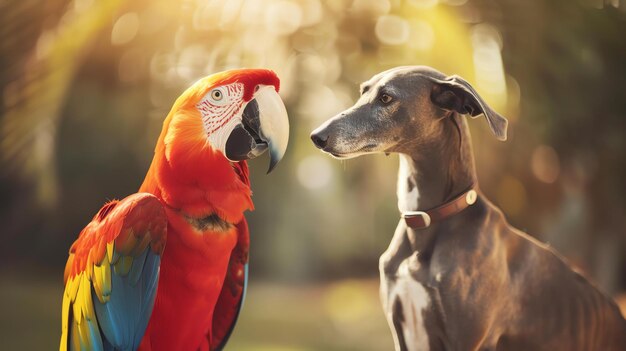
{"x":423,"y":219}
{"x":417,"y":219}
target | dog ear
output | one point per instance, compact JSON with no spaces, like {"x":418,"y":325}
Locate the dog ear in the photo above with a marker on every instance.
{"x":456,"y":94}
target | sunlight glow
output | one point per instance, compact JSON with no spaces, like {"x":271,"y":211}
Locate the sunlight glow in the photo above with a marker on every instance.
{"x":490,"y":77}
{"x":315,"y":172}
{"x":378,"y":7}
{"x":423,"y":4}
{"x":125,"y":29}
{"x":392,"y":30}
{"x":283,"y":17}
{"x":454,"y":2}
{"x":422,"y":35}
{"x":545,"y":164}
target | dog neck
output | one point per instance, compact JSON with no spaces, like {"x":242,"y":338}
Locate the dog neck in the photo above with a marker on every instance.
{"x":433,"y":174}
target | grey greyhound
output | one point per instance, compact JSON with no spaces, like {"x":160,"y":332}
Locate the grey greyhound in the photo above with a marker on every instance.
{"x":456,"y":275}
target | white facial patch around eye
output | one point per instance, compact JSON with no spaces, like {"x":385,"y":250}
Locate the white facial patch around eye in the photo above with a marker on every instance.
{"x":219,"y":109}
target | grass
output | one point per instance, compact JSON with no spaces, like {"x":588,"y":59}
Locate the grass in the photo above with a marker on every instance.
{"x":343,"y":315}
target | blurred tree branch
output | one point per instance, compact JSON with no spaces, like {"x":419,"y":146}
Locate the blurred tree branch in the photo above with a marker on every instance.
{"x":37,"y":85}
{"x":569,"y":60}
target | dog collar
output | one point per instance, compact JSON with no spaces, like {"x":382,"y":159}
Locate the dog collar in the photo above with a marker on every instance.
{"x":423,"y":219}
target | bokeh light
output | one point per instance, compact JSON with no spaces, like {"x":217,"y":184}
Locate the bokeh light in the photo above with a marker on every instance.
{"x":423,"y":4}
{"x":545,"y":164}
{"x":86,"y":84}
{"x":125,"y":29}
{"x":315,"y":172}
{"x":392,"y":30}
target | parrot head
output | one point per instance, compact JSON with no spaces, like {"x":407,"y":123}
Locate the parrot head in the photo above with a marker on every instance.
{"x":238,"y":113}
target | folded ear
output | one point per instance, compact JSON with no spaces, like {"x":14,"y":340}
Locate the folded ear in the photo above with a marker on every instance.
{"x":456,"y":94}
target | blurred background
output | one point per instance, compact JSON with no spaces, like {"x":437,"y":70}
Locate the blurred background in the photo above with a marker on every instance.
{"x":86,"y":84}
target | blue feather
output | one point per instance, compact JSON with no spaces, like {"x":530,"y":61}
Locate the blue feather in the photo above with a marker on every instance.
{"x":124,"y":318}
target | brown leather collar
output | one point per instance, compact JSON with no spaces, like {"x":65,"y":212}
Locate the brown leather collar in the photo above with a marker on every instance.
{"x":423,"y":219}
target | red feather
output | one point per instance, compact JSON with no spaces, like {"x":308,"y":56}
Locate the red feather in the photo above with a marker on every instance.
{"x":202,"y":198}
{"x":122,"y":243}
{"x":137,"y":215}
{"x":230,"y":300}
{"x":200,"y":285}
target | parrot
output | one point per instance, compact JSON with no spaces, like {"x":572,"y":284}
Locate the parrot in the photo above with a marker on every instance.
{"x":166,"y":268}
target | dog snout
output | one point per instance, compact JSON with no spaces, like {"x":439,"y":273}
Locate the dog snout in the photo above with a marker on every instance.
{"x":319,"y":138}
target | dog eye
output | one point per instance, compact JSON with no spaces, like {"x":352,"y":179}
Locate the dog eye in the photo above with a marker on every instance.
{"x":385,"y":98}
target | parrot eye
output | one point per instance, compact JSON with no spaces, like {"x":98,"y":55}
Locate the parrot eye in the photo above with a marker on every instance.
{"x":217,"y":95}
{"x":222,"y":96}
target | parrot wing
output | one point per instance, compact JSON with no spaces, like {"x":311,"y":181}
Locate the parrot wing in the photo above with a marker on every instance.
{"x":111,"y":275}
{"x":233,"y":292}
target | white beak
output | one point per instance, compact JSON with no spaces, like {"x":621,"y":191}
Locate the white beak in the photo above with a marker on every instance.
{"x":274,"y":123}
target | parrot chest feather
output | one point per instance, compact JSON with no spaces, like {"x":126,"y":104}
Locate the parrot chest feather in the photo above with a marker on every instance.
{"x":193,"y":270}
{"x":212,"y":223}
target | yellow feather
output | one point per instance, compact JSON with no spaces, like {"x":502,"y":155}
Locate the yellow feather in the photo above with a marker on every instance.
{"x":97,"y":281}
{"x":68,"y":265}
{"x":85,"y":292}
{"x":87,"y":320}
{"x":65,"y":315}
{"x":110,"y":247}
{"x":125,"y":242}
{"x":75,"y":337}
{"x":106,"y":281}
{"x":141,"y":246}
{"x":102,"y":280}
{"x":83,"y":333}
{"x":77,"y":301}
{"x":123,"y":265}
{"x":72,"y":287}
{"x":106,"y":288}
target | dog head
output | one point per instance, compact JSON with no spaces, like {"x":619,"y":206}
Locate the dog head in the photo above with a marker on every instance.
{"x":400,"y":109}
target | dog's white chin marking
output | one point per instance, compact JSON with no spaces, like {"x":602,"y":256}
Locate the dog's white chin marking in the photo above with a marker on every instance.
{"x":414,"y":299}
{"x":407,"y":199}
{"x":346,"y":156}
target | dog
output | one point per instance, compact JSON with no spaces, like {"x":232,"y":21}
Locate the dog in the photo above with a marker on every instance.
{"x":456,"y":275}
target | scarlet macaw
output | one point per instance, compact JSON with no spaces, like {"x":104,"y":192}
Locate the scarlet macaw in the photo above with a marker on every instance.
{"x":166,"y":268}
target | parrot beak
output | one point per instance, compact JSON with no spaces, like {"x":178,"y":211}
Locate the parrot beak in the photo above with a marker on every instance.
{"x":264,"y":125}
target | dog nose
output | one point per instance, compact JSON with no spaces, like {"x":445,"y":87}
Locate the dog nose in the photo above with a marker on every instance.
{"x":319,"y":140}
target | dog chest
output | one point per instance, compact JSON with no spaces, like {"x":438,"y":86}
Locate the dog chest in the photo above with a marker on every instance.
{"x":405,"y":301}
